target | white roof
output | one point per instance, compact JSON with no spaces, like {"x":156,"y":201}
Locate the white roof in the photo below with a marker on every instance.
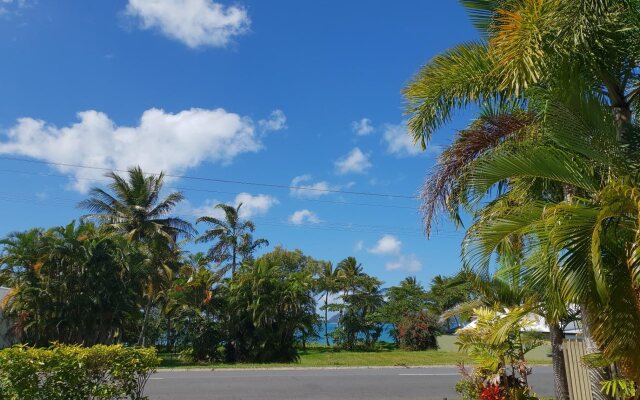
{"x":537,"y":324}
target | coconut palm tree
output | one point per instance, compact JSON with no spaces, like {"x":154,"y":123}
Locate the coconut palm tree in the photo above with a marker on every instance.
{"x":135,"y":210}
{"x":232,"y":235}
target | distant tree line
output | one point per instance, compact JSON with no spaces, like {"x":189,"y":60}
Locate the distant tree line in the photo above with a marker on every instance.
{"x":121,"y":274}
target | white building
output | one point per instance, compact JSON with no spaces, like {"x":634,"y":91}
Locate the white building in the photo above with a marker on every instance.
{"x":538,"y":324}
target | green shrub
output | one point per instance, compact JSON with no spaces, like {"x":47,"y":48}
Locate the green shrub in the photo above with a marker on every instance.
{"x":64,"y":372}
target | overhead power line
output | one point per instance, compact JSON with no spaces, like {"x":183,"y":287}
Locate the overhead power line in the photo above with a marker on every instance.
{"x":209,"y":179}
{"x":191,"y":189}
{"x":326,"y":226}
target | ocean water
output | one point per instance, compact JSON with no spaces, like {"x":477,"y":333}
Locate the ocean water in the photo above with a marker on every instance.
{"x":384,"y":337}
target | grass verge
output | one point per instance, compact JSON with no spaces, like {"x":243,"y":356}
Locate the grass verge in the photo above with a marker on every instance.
{"x":386,"y":355}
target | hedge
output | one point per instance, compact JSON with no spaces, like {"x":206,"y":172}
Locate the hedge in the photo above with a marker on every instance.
{"x":64,"y":372}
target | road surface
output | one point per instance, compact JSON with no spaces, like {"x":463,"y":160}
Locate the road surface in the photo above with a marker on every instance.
{"x":319,"y":384}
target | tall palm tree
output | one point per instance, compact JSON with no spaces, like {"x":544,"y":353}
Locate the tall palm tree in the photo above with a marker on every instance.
{"x":232,"y":235}
{"x":328,"y":278}
{"x":134,"y":208}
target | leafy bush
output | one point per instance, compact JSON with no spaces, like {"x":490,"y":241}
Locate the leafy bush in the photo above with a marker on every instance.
{"x":75,"y":373}
{"x":418,"y":332}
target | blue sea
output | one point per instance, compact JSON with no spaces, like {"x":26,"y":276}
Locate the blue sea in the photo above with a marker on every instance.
{"x":384,"y":337}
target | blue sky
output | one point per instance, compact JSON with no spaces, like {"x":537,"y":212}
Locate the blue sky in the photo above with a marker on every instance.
{"x":291,"y":93}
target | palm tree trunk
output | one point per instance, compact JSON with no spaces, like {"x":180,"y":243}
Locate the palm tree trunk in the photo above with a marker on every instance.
{"x":596,"y":375}
{"x":326,"y":318}
{"x":233,"y":262}
{"x":143,"y":330}
{"x":561,"y":384}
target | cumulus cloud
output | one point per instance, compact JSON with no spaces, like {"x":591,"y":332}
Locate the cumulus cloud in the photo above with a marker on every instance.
{"x":277,"y":120}
{"x":255,"y":205}
{"x":251,"y":206}
{"x":304,"y":187}
{"x":354,"y":162}
{"x":161,"y":141}
{"x":304,"y":217}
{"x":362,"y":127}
{"x":399,"y":141}
{"x":195,"y":23}
{"x":388,"y":244}
{"x":409,"y":263}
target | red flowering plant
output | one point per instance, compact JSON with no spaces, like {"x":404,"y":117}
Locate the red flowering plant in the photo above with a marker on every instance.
{"x":492,"y":392}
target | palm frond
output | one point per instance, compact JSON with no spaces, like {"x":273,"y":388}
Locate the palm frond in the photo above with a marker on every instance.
{"x":453,"y":80}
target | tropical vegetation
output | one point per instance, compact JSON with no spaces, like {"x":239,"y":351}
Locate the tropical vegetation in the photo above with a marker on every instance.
{"x":122,"y":274}
{"x":548,"y":169}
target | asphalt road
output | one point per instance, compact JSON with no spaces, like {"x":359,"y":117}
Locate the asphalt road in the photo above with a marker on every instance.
{"x":319,"y":384}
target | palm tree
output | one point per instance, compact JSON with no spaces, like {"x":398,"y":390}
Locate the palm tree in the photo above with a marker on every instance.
{"x":351,"y":274}
{"x":530,"y":44}
{"x":328,"y":283}
{"x":587,"y":234}
{"x":248,"y":247}
{"x":233,"y":236}
{"x":134,"y":208}
{"x":525,"y":46}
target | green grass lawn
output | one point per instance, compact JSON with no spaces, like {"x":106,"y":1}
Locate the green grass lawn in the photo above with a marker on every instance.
{"x":387,"y":355}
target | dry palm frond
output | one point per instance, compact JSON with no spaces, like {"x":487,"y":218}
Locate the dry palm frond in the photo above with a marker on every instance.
{"x":442,"y":189}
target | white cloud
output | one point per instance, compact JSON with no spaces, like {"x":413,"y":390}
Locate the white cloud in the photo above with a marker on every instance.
{"x":206,"y":209}
{"x":409,"y":263}
{"x":399,"y":141}
{"x":251,"y":206}
{"x":195,"y":23}
{"x":387,"y":244}
{"x":362,"y":127}
{"x":304,"y":216}
{"x":277,"y":120}
{"x":303,"y":187}
{"x":356,"y":161}
{"x":160,"y":142}
{"x":254,"y":205}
